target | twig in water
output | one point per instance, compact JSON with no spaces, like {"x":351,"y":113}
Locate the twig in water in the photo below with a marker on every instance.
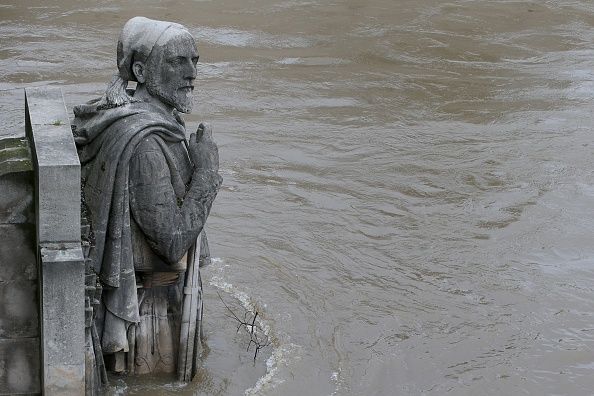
{"x":252,"y":328}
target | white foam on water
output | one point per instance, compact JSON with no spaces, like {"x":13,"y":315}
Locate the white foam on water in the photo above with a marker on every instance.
{"x":117,"y":390}
{"x":281,"y":356}
{"x":338,"y":380}
{"x":254,"y":39}
{"x":216,"y":260}
{"x":313,"y":61}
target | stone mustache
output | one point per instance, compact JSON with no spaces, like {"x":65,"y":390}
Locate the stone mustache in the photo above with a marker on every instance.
{"x":147,"y":193}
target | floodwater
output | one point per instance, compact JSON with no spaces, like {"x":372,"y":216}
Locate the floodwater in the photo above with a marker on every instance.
{"x":409,"y":186}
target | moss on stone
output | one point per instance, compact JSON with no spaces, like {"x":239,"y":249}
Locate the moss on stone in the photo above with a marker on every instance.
{"x":15,"y":156}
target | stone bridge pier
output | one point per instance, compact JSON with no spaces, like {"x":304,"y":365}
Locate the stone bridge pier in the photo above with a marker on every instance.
{"x":42,"y":286}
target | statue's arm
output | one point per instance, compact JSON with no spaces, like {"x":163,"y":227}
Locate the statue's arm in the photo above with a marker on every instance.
{"x":170,"y":225}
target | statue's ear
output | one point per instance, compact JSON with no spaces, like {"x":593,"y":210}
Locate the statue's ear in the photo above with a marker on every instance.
{"x":139,"y":71}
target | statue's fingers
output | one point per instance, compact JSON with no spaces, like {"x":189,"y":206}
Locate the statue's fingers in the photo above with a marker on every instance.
{"x":192,"y":139}
{"x":200,"y":132}
{"x":207,"y":130}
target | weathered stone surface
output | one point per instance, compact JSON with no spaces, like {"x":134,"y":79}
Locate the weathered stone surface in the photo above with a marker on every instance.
{"x":64,"y":380}
{"x":16,"y":197}
{"x":12,"y":106}
{"x":19,"y":366}
{"x":17,"y":252}
{"x":16,"y":181}
{"x":14,"y":155}
{"x":57,"y":165}
{"x":62,"y":299}
{"x":18,"y":309}
{"x":58,"y":200}
{"x":19,"y":298}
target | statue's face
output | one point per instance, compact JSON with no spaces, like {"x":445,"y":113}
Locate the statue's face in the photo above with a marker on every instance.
{"x":171,"y":71}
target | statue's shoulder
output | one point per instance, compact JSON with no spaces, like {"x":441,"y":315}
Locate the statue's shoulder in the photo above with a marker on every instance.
{"x":149,"y":144}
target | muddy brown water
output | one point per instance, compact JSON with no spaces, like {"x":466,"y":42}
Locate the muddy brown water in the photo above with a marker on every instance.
{"x":409,"y":186}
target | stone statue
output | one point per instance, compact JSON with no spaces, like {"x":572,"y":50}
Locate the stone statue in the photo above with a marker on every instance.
{"x":147,"y":193}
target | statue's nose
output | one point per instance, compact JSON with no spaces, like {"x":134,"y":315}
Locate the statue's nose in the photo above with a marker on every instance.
{"x":190,"y":71}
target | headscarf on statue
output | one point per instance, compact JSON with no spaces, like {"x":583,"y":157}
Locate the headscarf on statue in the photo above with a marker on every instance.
{"x":107,"y":132}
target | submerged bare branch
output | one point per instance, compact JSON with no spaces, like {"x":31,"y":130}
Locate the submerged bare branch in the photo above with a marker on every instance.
{"x":249,"y":324}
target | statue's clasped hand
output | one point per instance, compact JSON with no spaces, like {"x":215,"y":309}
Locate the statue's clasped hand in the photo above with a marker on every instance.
{"x":203,"y":151}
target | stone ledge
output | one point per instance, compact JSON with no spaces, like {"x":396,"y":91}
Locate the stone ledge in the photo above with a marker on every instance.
{"x":56,"y":163}
{"x":67,"y":252}
{"x":48,"y":118}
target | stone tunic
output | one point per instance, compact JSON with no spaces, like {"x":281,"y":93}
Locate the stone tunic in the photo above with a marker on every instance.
{"x":167,"y":216}
{"x":146,"y":205}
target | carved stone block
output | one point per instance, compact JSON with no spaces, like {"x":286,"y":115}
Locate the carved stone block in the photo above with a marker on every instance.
{"x":57,"y":166}
{"x":63,"y":319}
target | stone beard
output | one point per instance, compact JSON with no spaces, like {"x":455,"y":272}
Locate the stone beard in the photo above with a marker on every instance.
{"x":175,"y":89}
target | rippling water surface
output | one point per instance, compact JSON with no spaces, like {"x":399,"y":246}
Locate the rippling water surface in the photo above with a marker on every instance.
{"x":409,"y":186}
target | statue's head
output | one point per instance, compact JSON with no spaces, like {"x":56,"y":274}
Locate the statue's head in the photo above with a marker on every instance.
{"x":161,"y":56}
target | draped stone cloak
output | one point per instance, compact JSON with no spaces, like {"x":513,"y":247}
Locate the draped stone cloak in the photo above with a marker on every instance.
{"x":107,"y":139}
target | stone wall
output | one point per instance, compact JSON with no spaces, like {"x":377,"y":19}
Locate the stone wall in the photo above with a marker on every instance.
{"x":41,"y":261}
{"x":19,"y":312}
